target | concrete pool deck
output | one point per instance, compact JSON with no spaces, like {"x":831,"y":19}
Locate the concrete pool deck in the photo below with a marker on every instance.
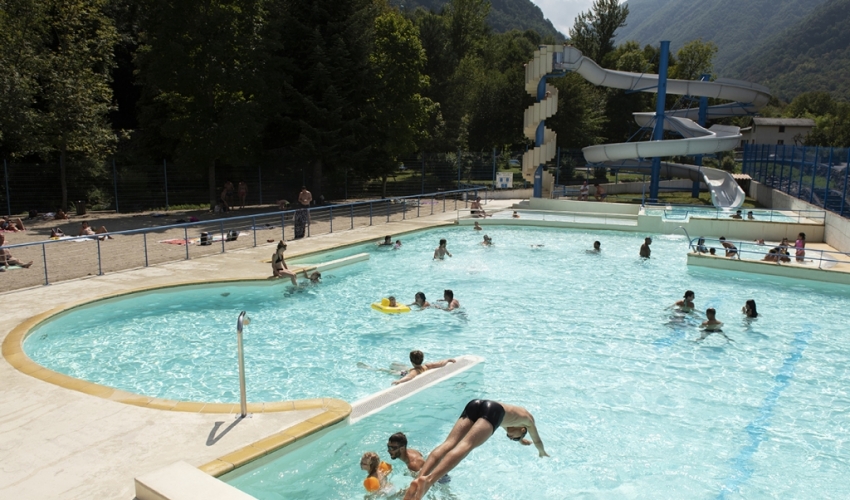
{"x":61,"y":443}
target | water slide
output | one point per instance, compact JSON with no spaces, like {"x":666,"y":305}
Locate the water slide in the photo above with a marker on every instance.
{"x":746,"y":98}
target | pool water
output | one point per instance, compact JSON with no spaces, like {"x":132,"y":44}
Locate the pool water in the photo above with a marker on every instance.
{"x":627,"y":403}
{"x":683,"y":213}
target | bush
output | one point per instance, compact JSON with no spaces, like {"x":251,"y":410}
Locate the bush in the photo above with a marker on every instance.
{"x":728,"y":164}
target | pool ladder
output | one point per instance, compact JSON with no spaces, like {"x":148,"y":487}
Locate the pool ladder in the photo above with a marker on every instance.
{"x":243,"y":320}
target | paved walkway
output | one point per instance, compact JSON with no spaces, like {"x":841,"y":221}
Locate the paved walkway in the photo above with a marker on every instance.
{"x":59,"y":443}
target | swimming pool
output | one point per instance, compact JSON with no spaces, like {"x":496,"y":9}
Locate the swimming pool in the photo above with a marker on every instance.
{"x":683,"y":213}
{"x":628,"y":405}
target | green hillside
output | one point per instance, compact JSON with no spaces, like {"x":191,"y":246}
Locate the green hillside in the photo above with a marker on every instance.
{"x":735,"y":26}
{"x":813,"y":55}
{"x":505,"y":15}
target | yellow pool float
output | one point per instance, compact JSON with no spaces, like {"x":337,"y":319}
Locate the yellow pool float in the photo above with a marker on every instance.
{"x":384,"y":307}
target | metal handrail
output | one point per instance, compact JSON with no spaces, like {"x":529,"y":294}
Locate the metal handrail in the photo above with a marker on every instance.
{"x":403,"y":201}
{"x":746,"y":247}
{"x":243,"y":320}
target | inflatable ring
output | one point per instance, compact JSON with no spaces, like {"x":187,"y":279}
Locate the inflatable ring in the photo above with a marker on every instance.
{"x":384,"y":307}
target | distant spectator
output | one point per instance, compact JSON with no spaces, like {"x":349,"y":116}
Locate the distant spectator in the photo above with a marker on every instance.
{"x":6,"y":258}
{"x":243,"y":193}
{"x":600,"y":192}
{"x":583,"y":192}
{"x":60,"y":215}
{"x":800,"y":246}
{"x":85,"y":230}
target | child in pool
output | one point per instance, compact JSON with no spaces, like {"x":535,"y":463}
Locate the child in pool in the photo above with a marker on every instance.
{"x":377,"y":469}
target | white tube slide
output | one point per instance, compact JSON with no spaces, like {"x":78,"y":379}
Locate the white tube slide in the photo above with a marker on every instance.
{"x":746,"y":98}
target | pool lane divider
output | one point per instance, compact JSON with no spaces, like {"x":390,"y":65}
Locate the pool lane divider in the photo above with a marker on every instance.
{"x":757,"y":430}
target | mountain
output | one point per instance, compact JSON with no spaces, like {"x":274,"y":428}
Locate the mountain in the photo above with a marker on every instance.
{"x":811,"y":55}
{"x":735,"y":26}
{"x":505,"y":15}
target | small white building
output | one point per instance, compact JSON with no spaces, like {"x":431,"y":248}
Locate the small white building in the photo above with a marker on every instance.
{"x":777,"y":131}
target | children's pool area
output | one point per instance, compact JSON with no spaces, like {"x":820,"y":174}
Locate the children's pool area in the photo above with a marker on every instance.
{"x":627,"y":402}
{"x":684,"y":213}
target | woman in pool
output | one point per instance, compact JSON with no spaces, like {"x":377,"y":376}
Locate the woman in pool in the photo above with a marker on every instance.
{"x":419,"y":300}
{"x":687,"y":303}
{"x":750,"y":309}
{"x":279,"y":267}
{"x":377,"y":469}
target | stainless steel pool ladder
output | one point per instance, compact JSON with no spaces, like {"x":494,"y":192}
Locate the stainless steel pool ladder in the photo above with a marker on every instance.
{"x":240,"y":322}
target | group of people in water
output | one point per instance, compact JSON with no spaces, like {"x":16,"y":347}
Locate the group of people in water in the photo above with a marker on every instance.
{"x":777,"y":254}
{"x":711,"y":323}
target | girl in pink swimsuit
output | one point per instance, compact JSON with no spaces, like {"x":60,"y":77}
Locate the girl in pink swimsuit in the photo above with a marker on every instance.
{"x":800,"y":245}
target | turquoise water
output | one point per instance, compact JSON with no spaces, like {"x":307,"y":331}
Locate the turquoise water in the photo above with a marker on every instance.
{"x":627,"y":403}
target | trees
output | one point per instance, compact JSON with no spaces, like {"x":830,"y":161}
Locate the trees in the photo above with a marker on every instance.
{"x":593,"y":31}
{"x":400,"y":111}
{"x":200,"y":65}
{"x":694,"y":59}
{"x":59,"y":56}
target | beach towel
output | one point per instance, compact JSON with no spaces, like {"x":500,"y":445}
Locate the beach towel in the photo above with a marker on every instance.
{"x":196,"y":241}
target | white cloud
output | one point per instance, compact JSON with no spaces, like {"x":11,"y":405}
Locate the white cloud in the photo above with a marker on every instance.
{"x":562,"y":13}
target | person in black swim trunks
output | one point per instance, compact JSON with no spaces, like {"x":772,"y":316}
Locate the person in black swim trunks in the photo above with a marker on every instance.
{"x":476,"y":424}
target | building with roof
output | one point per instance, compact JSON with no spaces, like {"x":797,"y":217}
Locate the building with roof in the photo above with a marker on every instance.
{"x":777,"y":131}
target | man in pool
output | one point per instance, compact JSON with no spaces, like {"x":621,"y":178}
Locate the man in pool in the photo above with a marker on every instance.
{"x":476,"y":424}
{"x":397,"y":448}
{"x":597,"y":248}
{"x":450,"y":300}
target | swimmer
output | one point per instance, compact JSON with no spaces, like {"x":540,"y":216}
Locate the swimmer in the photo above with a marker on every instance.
{"x":737,"y":215}
{"x":538,"y":245}
{"x":397,"y":245}
{"x":441,"y":251}
{"x":378,"y":471}
{"x":750,"y":309}
{"x":712,"y":251}
{"x":416,"y":358}
{"x":392,"y":301}
{"x":450,"y":300}
{"x":597,"y":248}
{"x":644,"y":249}
{"x":515,"y":215}
{"x":711,"y":325}
{"x":397,"y":448}
{"x":701,"y":246}
{"x":479,"y":421}
{"x":388,"y":241}
{"x":687,"y":303}
{"x":419,"y":300}
{"x":750,"y":215}
{"x":731,"y":250}
{"x":488,"y":241}
{"x":477,"y":227}
{"x":315,"y":277}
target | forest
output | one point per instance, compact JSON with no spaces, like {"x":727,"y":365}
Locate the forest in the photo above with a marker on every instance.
{"x":316,"y":91}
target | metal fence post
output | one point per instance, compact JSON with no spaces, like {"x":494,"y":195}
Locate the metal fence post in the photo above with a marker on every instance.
{"x":494,"y":168}
{"x":846,"y":171}
{"x":254,"y":226}
{"x":99,"y":260}
{"x":165,"y":175}
{"x":351,"y":215}
{"x":185,"y":238}
{"x":44,"y":258}
{"x":388,"y":210}
{"x":370,"y":213}
{"x":115,"y":185}
{"x":145,"y":243}
{"x":221,"y":231}
{"x":458,"y":168}
{"x":331,"y":214}
{"x":309,"y":221}
{"x":826,"y":192}
{"x":283,"y":226}
{"x":8,"y":199}
{"x":423,"y":174}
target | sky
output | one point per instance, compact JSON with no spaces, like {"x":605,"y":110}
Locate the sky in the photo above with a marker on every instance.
{"x":562,"y":13}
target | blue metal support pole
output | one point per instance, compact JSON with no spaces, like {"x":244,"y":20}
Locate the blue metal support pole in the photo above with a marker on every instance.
{"x":815,"y":171}
{"x":703,"y":112}
{"x":802,"y":167}
{"x":538,"y":141}
{"x":165,"y":174}
{"x":8,"y":199}
{"x":115,"y":185}
{"x":826,"y":192}
{"x":658,"y":132}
